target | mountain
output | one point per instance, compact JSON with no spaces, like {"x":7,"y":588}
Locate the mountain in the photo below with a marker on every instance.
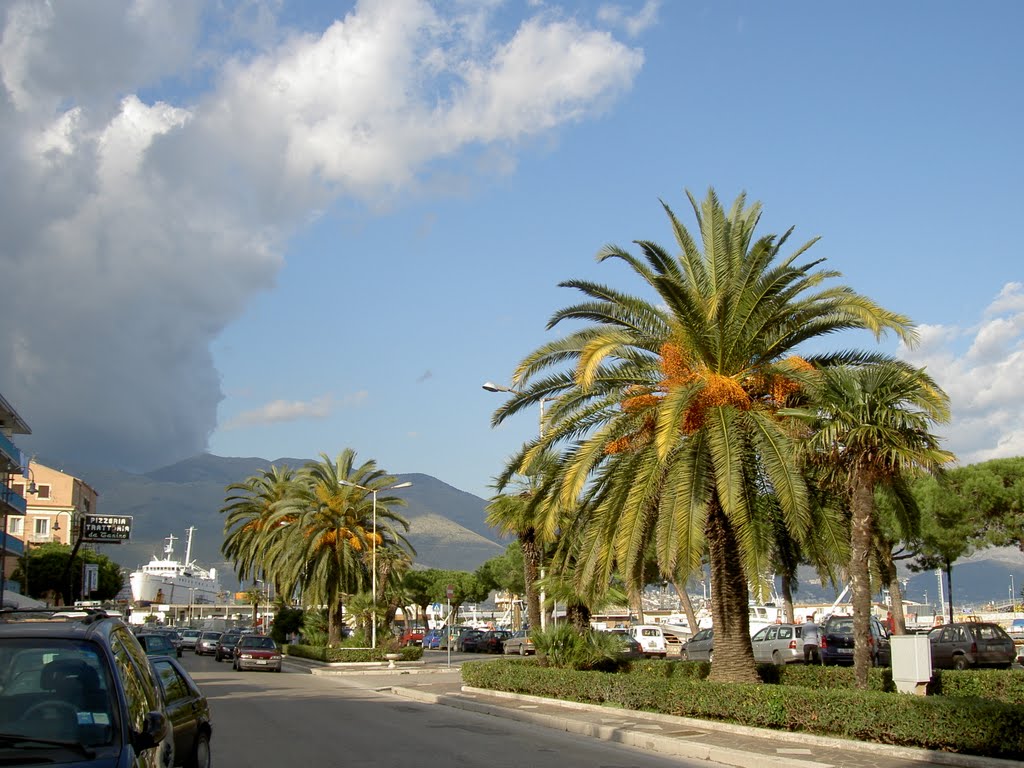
{"x":447,"y":526}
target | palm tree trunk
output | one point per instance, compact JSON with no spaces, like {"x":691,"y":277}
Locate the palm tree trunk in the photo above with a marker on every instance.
{"x":862,"y":505}
{"x":335,"y":619}
{"x":891,"y":579}
{"x":531,"y":570}
{"x":691,"y":615}
{"x":787,"y":598}
{"x":734,"y":657}
{"x":578,"y":615}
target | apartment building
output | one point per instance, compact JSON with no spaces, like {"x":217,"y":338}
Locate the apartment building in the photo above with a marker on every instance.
{"x":11,"y":502}
{"x":54,"y":500}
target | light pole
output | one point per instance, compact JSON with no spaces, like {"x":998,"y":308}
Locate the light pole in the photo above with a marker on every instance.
{"x":373,"y":553}
{"x":490,"y":386}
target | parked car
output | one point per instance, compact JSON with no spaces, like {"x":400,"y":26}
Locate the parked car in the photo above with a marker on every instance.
{"x":650,"y":638}
{"x":700,"y":647}
{"x":412,"y":636}
{"x":257,"y":652}
{"x":432,"y":639}
{"x":188,"y":710}
{"x":518,"y":642}
{"x":493,"y":640}
{"x":835,"y":642}
{"x":173,"y":635}
{"x":778,"y":644}
{"x":631,"y":648}
{"x":971,"y":644}
{"x":79,"y":691}
{"x":157,"y":644}
{"x":206,"y":645}
{"x":226,"y":645}
{"x":189,"y":637}
{"x":469,"y":642}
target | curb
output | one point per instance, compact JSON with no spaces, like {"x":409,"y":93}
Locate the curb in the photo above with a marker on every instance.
{"x":678,"y":745}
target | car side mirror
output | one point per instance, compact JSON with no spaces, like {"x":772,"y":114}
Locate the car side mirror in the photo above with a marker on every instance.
{"x":153,"y":731}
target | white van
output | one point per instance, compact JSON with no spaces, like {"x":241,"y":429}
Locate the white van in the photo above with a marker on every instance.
{"x":651,"y":639}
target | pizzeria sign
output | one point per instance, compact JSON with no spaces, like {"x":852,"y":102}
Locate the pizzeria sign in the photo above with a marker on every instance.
{"x":106,"y":529}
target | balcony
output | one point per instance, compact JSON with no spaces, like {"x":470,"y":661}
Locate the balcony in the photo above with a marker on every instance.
{"x":10,"y":456}
{"x":41,"y":538}
{"x":12,"y":503}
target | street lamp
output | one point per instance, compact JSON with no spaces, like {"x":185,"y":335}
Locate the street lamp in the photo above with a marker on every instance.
{"x":490,"y":386}
{"x":373,"y":558}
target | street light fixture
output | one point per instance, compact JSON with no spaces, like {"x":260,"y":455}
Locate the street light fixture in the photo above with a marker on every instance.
{"x":373,"y":558}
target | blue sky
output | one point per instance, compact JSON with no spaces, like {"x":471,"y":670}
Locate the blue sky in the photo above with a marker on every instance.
{"x":285,"y":228}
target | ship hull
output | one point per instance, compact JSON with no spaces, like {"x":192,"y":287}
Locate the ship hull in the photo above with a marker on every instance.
{"x":172,"y":588}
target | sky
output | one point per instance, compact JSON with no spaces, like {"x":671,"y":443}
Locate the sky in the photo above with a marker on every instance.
{"x":284,"y":228}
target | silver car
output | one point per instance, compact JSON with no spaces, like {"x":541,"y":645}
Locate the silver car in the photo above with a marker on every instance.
{"x":778,"y":644}
{"x":701,"y":647}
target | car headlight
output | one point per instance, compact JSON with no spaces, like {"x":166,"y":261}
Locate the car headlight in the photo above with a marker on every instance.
{"x":246,"y":655}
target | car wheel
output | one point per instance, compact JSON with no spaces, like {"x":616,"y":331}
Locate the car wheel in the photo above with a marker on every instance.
{"x":961,"y":663}
{"x":683,"y":655}
{"x":200,"y":757}
{"x":711,"y":657}
{"x":522,"y":650}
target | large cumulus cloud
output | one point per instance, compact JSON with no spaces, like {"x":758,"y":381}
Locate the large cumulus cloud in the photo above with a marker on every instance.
{"x":137,"y":226}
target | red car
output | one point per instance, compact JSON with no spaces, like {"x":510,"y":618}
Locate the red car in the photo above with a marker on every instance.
{"x":257,"y":652}
{"x":412,"y":636}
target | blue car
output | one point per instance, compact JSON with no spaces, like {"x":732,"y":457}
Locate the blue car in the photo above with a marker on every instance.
{"x":432,"y":639}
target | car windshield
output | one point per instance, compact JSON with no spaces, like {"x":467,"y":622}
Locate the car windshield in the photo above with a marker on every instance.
{"x":54,"y":690}
{"x":257,"y":642}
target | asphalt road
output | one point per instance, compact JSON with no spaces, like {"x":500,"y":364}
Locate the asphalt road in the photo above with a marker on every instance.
{"x":298,"y":719}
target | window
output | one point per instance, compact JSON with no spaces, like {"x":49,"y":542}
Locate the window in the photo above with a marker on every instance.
{"x":16,"y":525}
{"x":43,"y":491}
{"x":174,"y":686}
{"x":18,"y":488}
{"x":41,"y":526}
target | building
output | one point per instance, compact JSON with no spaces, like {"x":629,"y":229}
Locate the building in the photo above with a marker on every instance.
{"x":12,"y":503}
{"x":55,"y":501}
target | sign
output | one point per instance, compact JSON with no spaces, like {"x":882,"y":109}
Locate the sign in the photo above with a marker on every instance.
{"x":91,"y":578}
{"x":106,"y":529}
{"x":450,"y":591}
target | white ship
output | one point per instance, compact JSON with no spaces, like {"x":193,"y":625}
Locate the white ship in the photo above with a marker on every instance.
{"x":170,"y":581}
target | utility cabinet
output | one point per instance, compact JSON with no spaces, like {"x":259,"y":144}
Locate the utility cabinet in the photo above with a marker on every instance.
{"x":911,"y":663}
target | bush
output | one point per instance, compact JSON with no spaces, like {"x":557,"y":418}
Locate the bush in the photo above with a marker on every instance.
{"x":973,"y":726}
{"x":565,"y":647}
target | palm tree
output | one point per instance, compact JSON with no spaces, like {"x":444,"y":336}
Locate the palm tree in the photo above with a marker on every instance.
{"x":332,"y":531}
{"x":872,"y":428}
{"x":253,"y":530}
{"x":519,"y":514}
{"x":666,"y":408}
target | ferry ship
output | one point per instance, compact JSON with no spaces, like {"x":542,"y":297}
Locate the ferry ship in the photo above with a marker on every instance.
{"x":166,"y":580}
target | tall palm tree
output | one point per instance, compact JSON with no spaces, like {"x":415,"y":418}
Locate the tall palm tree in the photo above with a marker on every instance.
{"x":252,"y":529}
{"x":332,"y":532}
{"x":666,"y":407}
{"x":871,"y":428}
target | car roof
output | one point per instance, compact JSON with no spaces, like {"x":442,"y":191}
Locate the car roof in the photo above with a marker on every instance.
{"x":44,"y":625}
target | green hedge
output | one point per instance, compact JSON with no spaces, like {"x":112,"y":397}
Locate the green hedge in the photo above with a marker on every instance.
{"x":971,"y":726}
{"x":318,"y":653}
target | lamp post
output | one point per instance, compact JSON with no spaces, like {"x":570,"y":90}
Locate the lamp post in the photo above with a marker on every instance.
{"x":373,"y":553}
{"x":490,"y":386}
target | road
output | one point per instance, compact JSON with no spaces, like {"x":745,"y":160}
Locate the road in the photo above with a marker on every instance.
{"x":298,"y":719}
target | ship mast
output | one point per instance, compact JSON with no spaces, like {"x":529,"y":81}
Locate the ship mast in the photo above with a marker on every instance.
{"x":188,"y":547}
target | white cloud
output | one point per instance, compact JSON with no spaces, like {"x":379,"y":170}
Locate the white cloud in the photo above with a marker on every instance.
{"x":633,"y":23}
{"x":985,"y":383}
{"x":283,"y":411}
{"x":137,"y":228}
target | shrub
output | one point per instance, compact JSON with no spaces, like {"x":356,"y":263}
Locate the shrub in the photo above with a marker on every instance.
{"x":974,"y":726}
